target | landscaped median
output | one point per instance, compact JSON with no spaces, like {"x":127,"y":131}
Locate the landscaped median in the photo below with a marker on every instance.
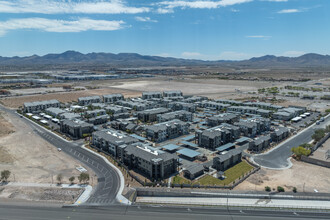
{"x":233,"y":175}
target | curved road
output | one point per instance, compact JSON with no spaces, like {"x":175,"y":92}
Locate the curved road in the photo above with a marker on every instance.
{"x":279,"y":157}
{"x":108,"y":179}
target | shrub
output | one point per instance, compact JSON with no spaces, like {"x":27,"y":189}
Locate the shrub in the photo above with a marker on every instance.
{"x":267,"y":189}
{"x":280,"y":189}
{"x":294,"y":189}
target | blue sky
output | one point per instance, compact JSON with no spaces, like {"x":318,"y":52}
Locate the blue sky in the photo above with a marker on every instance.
{"x":203,"y":29}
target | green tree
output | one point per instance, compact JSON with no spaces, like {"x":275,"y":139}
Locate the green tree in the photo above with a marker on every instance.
{"x":299,"y":151}
{"x":71,"y":179}
{"x":5,"y":174}
{"x":83,"y":177}
{"x":267,"y":189}
{"x":280,"y":189}
{"x":318,"y":134}
{"x":294,"y":189}
{"x":59,"y":178}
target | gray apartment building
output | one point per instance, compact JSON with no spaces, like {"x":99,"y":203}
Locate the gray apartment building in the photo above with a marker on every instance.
{"x":252,"y":127}
{"x":193,"y":171}
{"x":166,"y":130}
{"x":150,"y":115}
{"x":169,"y":94}
{"x":287,"y":114}
{"x":176,"y":106}
{"x":154,"y":163}
{"x":213,"y":105}
{"x":89,"y":100}
{"x":55,"y":112}
{"x":260,"y":144}
{"x":216,"y":120}
{"x":280,"y":134}
{"x":152,"y":95}
{"x":217,"y":136}
{"x":181,"y":115}
{"x":225,"y":161}
{"x":112,"y":98}
{"x":75,"y":127}
{"x":109,"y":140}
{"x":31,"y":107}
{"x":95,"y":113}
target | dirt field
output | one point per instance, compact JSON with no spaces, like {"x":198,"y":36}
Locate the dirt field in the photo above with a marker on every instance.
{"x":40,"y":194}
{"x":320,"y":153}
{"x":30,"y":158}
{"x":301,"y":175}
{"x":192,"y":86}
{"x":15,"y":102}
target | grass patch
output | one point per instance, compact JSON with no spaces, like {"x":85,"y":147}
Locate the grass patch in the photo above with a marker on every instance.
{"x":232,"y":174}
{"x":180,"y":180}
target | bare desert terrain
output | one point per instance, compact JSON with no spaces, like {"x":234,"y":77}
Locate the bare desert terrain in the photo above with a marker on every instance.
{"x":306,"y":177}
{"x":30,"y":158}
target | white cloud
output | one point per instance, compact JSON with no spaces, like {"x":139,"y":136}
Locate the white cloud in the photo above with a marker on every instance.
{"x":53,"y":25}
{"x":193,"y":55}
{"x":232,"y":55}
{"x":277,"y":0}
{"x":293,"y":53}
{"x":145,"y":19}
{"x":163,"y":55}
{"x":287,"y":11}
{"x":168,"y":6}
{"x":259,"y":36}
{"x":234,"y":10}
{"x":69,"y":7}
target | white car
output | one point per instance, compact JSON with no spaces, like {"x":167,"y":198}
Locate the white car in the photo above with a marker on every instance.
{"x":59,"y":149}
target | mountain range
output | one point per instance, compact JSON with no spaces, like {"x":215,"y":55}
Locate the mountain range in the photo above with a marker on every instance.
{"x":137,"y":60}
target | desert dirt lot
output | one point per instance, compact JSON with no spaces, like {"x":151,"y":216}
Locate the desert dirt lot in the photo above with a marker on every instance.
{"x":30,"y":158}
{"x":15,"y":102}
{"x":301,"y":175}
{"x":212,"y":88}
{"x":320,"y":153}
{"x":40,"y":194}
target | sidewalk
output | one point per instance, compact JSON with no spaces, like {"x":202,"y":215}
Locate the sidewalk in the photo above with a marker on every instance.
{"x":241,"y":202}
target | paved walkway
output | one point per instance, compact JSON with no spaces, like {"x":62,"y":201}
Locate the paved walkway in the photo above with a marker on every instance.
{"x":249,"y":202}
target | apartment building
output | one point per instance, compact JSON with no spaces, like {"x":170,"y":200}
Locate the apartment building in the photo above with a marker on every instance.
{"x":225,"y":161}
{"x":112,"y":98}
{"x":253,"y":126}
{"x":154,"y":163}
{"x":32,"y":107}
{"x":166,"y":130}
{"x":217,"y":136}
{"x":83,"y":101}
{"x":75,"y":128}
{"x":222,"y":118}
{"x":176,"y":106}
{"x":181,"y":115}
{"x":172,"y":93}
{"x":109,"y":140}
{"x":259,"y":144}
{"x":150,"y":115}
{"x":152,"y":95}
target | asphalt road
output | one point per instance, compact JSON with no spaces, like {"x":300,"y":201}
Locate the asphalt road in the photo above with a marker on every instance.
{"x":278,"y":158}
{"x":25,"y":212}
{"x":108,"y":180}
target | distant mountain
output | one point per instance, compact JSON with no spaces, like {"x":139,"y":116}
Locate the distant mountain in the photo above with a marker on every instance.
{"x":137,"y":60}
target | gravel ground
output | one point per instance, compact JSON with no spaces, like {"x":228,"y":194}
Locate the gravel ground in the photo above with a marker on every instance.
{"x":30,"y":158}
